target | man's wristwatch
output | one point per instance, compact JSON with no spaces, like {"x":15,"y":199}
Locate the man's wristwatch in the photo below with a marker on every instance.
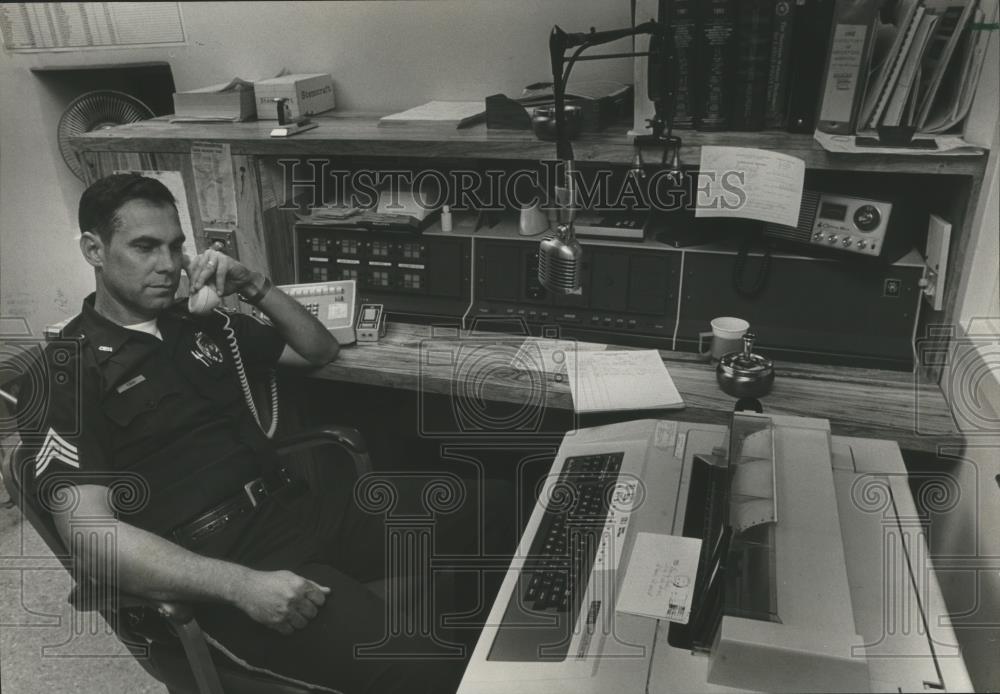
{"x":253,"y":296}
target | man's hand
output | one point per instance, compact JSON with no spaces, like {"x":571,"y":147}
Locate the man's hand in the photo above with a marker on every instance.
{"x":215,"y":268}
{"x":303,"y":332}
{"x":280,"y":600}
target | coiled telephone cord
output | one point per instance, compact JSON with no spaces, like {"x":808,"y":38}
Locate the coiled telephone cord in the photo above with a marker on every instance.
{"x":234,"y":349}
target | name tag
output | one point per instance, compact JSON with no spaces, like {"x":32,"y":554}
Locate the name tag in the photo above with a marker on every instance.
{"x":130,"y":383}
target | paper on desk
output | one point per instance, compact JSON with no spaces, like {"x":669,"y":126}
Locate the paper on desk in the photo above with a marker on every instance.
{"x":234,"y":85}
{"x":620,"y":380}
{"x":205,"y":119}
{"x":549,"y":356}
{"x":659,"y":580}
{"x":747,"y":183}
{"x":947,"y":146}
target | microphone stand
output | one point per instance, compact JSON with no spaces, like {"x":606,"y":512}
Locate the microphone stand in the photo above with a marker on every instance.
{"x":563,"y":276}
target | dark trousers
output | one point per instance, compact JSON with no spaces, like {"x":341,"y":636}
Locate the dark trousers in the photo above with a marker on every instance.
{"x":408,"y":526}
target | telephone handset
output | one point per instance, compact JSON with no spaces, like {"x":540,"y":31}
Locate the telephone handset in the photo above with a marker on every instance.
{"x":202,"y":303}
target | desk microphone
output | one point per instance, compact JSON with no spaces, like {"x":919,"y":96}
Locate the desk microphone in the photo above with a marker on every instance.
{"x":560,"y":254}
{"x":559,"y":259}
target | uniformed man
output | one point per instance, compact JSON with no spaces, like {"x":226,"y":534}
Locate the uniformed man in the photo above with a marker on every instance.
{"x":160,"y":420}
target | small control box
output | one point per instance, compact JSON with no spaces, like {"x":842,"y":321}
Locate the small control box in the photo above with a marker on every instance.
{"x":845,"y":223}
{"x":331,"y":302}
{"x":371,"y":323}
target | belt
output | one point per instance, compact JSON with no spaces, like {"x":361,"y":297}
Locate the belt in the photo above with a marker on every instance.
{"x":218,"y":517}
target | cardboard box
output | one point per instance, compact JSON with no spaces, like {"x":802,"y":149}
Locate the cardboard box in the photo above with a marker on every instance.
{"x":307,"y":95}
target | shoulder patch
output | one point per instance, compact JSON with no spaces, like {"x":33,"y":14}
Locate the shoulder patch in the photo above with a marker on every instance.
{"x":55,"y":447}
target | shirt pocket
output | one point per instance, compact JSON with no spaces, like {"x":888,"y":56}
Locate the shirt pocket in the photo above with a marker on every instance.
{"x":219,"y":384}
{"x":211,"y":370}
{"x":138,"y":413}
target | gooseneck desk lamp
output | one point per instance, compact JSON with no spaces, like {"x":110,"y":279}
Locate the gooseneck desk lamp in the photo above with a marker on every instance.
{"x":560,"y":254}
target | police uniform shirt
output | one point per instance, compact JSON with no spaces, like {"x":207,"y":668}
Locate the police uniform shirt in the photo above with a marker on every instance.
{"x":162,"y":423}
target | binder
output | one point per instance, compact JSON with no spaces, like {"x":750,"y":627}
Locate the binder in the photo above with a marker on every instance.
{"x":809,"y":39}
{"x":779,"y":64}
{"x":953,"y":18}
{"x":903,"y":90}
{"x":850,"y":51}
{"x":884,"y":78}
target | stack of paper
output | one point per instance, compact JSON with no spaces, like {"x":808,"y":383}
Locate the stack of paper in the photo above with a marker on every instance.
{"x":620,"y":380}
{"x":453,"y":113}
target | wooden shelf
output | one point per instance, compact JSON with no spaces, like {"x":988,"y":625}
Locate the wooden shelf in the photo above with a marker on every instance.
{"x":349,"y":134}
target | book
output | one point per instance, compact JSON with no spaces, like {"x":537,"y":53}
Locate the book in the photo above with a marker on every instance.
{"x":779,"y":64}
{"x":903,"y":90}
{"x":684,"y":25}
{"x":716,"y":41}
{"x":457,"y":114}
{"x":232,"y":101}
{"x":886,"y":73}
{"x":753,"y":49}
{"x":848,"y":58}
{"x":810,"y":35}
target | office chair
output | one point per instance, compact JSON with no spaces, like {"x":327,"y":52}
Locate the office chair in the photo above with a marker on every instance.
{"x":177,"y":653}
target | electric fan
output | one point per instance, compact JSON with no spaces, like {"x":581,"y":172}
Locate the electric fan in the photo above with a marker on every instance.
{"x":96,"y":111}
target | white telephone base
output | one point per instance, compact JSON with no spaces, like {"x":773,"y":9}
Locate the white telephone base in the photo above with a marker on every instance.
{"x":333,"y":303}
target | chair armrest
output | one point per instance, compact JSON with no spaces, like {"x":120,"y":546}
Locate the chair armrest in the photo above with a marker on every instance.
{"x":177,"y":613}
{"x":179,"y":616}
{"x":347,"y":437}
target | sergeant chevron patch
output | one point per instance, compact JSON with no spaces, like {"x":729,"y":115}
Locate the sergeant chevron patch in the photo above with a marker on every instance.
{"x":55,"y":448}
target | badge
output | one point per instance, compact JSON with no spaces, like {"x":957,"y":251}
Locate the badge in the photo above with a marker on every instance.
{"x":131,"y":383}
{"x":205,"y":350}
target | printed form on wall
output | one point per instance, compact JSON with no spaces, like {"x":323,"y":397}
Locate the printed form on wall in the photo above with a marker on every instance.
{"x":64,"y":26}
{"x":212,"y":163}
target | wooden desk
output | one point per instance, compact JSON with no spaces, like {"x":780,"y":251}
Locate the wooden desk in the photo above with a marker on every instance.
{"x":858,"y":402}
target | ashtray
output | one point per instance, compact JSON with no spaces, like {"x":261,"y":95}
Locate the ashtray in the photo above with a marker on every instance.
{"x":543,"y":122}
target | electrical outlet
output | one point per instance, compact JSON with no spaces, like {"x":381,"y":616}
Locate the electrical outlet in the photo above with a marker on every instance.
{"x":936,"y":263}
{"x":227,"y":237}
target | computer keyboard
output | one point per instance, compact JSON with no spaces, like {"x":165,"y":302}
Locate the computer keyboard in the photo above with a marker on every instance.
{"x":554,"y":579}
{"x":570,"y":533}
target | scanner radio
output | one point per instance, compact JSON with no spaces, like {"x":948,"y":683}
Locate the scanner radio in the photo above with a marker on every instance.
{"x":847,"y":224}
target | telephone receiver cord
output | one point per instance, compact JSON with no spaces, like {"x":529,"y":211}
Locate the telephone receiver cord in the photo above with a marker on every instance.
{"x":234,"y":349}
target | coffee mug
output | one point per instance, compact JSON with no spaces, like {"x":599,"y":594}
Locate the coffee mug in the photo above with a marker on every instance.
{"x":726,"y":336}
{"x":533,"y":221}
